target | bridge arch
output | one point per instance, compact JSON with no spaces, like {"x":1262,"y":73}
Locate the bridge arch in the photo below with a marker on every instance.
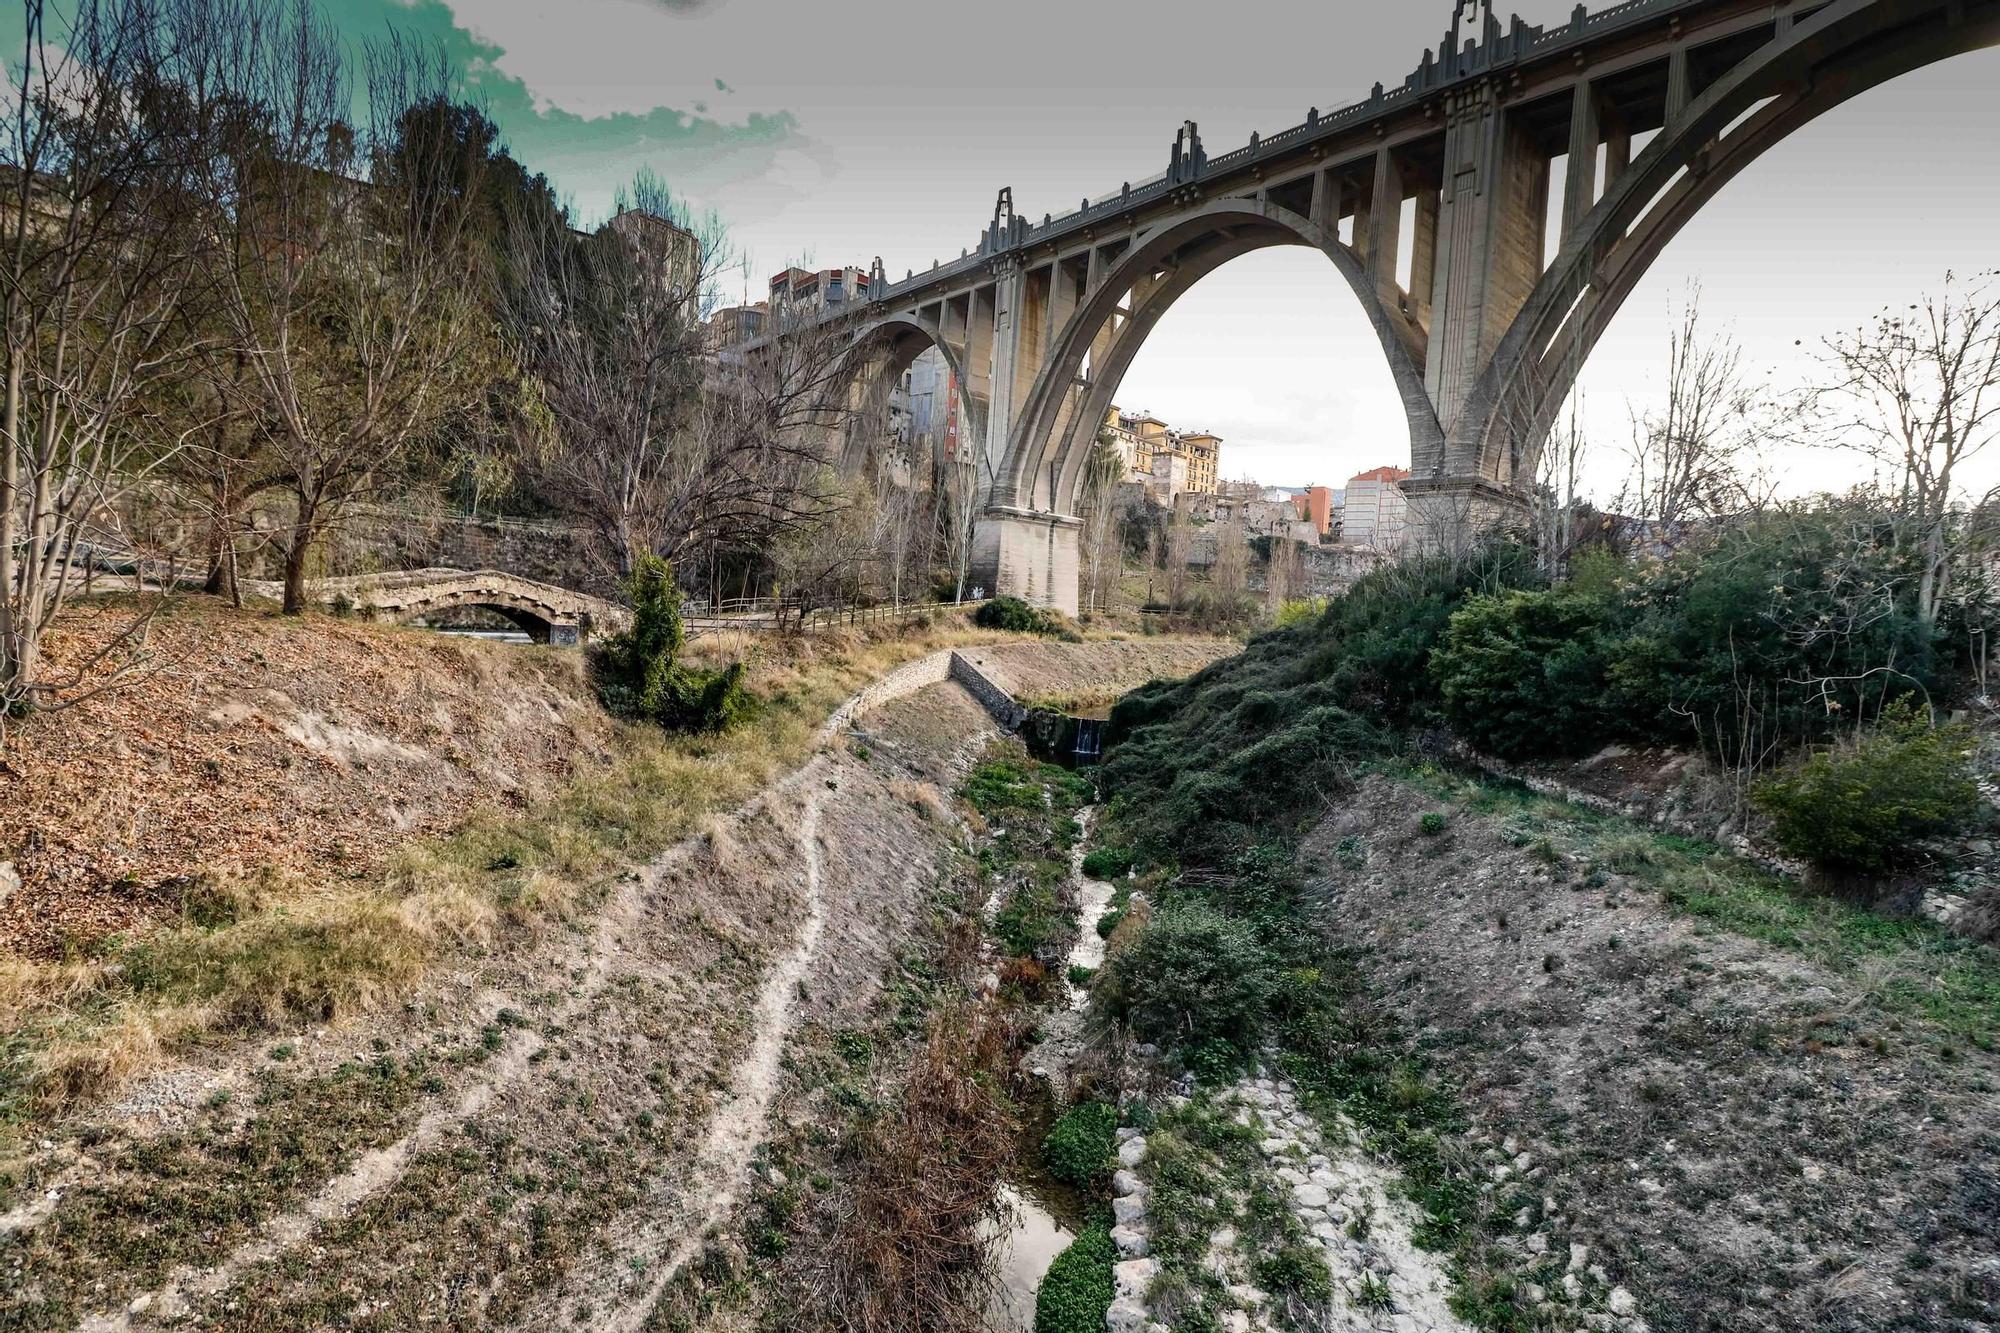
{"x":536,"y":624}
{"x":876,"y":358}
{"x":1044,"y":459}
{"x":1826,"y":60}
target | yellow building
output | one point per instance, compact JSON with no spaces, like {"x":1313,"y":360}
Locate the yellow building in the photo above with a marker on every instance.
{"x":1204,"y":456}
{"x":1142,"y":439}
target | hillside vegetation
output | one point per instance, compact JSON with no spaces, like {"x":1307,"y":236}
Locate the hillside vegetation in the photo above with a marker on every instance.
{"x":1630,"y":1078}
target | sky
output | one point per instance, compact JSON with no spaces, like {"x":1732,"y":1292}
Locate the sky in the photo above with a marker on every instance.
{"x":830,"y":132}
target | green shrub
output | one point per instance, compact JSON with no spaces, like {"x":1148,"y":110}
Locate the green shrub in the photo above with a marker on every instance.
{"x":1015,"y":616}
{"x":1864,"y":807}
{"x":1079,"y":1146}
{"x":1107,"y":862}
{"x":1030,"y":920}
{"x":1299,"y":611}
{"x":1431,"y":823}
{"x":639,"y":674}
{"x":1194,"y":975}
{"x":1524,"y":673}
{"x":1197,"y":762}
{"x":1744,"y":646}
{"x":1296,"y":1269}
{"x":1077,"y":1289}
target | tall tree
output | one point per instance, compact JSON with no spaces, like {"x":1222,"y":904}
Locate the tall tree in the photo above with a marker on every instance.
{"x":98,"y":157}
{"x":1917,"y":392}
{"x":1102,"y":553}
{"x":1693,"y":456}
{"x":651,"y":445}
{"x":358,"y":304}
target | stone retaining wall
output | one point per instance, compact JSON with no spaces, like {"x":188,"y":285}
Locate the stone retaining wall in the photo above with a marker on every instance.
{"x":995,"y":700}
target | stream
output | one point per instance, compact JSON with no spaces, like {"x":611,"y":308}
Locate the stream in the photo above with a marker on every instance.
{"x":1039,"y":1215}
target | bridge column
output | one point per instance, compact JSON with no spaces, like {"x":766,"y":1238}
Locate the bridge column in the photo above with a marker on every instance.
{"x":1496,"y":181}
{"x":1580,"y":190}
{"x":1033,"y":556}
{"x":1008,"y":321}
{"x":1386,"y":226}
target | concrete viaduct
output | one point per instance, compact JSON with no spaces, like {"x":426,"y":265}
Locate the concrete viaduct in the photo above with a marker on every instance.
{"x":1431,"y":199}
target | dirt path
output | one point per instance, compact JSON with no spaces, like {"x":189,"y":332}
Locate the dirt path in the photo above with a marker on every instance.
{"x":683,"y":1214}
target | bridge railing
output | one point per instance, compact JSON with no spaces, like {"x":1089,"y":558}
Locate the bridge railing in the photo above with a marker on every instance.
{"x":788,"y":615}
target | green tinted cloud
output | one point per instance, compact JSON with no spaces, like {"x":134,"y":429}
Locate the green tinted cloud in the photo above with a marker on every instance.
{"x":589,"y":157}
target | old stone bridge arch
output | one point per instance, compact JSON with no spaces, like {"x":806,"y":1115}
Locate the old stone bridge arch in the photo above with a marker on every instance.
{"x":1452,"y":170}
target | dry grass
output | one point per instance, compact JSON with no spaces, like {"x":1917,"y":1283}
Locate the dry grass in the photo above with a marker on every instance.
{"x":912,"y":1246}
{"x":271,"y":953}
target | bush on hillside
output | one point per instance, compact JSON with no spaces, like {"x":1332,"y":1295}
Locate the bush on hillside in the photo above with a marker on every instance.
{"x":1270,"y":732}
{"x":1077,"y":1289}
{"x":1078,"y":1147}
{"x":639,"y":673}
{"x":1193,"y":976}
{"x":1107,"y":862}
{"x":1299,"y":611}
{"x":1742,"y":647}
{"x":1524,"y":673}
{"x":1016,"y":617}
{"x":1865,"y":807}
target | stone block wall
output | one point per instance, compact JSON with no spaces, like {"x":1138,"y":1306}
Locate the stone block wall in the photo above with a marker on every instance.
{"x":992,"y":698}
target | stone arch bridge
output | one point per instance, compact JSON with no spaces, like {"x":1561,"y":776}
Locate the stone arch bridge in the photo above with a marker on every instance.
{"x":546,"y":613}
{"x":1432,"y":200}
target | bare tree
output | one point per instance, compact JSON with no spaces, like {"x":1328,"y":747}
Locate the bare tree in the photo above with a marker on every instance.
{"x":968,"y":478}
{"x":1285,"y":579}
{"x":1689,"y":455}
{"x":1175,"y":552}
{"x":1556,"y":497}
{"x":901,"y":516}
{"x":1102,"y":553}
{"x":1231,"y":572}
{"x":1917,"y":392}
{"x":98,"y":150}
{"x":356,"y":303}
{"x":648,"y":442}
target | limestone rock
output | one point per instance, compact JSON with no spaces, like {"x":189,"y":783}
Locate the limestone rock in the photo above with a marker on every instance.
{"x":1128,"y":1211}
{"x":1132,"y":1152}
{"x":1125,"y":1183}
{"x":1130,"y":1241}
{"x":1125,"y":1316}
{"x":1133,"y":1276}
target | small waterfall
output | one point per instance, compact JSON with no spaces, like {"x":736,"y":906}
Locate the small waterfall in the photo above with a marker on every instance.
{"x":1089,"y":740}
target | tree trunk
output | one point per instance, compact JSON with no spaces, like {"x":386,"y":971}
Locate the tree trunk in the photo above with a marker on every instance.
{"x":221,"y":580}
{"x":295,"y":570}
{"x":16,"y":646}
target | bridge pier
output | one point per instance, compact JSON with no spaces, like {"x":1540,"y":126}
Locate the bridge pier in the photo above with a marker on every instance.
{"x":1030,"y":555}
{"x":1455,"y":515}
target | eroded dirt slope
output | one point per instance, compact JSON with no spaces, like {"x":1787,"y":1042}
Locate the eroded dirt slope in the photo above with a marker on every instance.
{"x":1744,"y":1135}
{"x":255,"y":742}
